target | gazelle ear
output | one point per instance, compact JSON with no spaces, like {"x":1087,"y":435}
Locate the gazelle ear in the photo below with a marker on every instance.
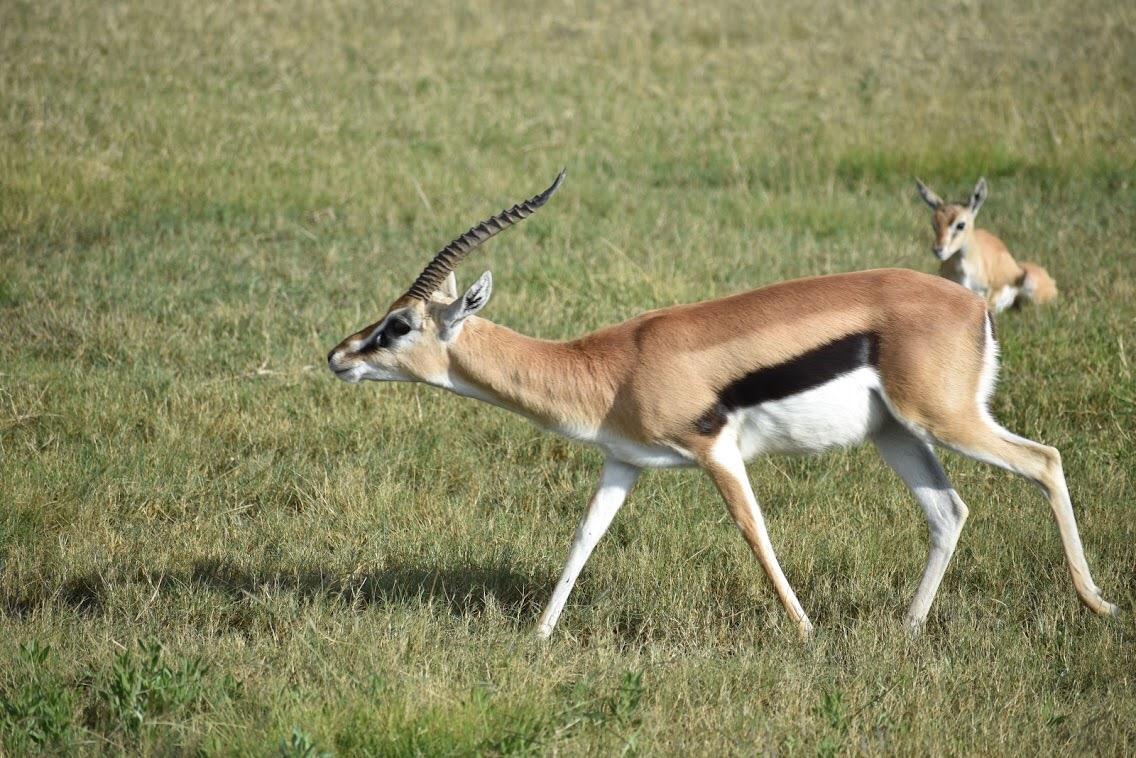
{"x":978,"y":196}
{"x":465,"y":306}
{"x":448,"y":290}
{"x":928,"y":196}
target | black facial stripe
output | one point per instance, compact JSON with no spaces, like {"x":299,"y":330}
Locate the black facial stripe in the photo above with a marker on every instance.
{"x":797,"y":375}
{"x":378,"y":340}
{"x":385,"y":335}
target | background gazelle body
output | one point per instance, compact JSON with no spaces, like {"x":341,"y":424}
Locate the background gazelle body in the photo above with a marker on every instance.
{"x":896,"y":357}
{"x":977,"y":259}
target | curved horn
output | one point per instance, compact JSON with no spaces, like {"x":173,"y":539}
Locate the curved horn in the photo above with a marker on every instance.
{"x":452,"y":254}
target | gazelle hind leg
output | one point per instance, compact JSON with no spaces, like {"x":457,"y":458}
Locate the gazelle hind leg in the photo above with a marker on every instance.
{"x":985,"y":440}
{"x":916,"y":464}
{"x":726,"y":467}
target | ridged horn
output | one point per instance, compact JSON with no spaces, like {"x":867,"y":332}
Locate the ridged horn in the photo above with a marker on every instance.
{"x":452,"y":254}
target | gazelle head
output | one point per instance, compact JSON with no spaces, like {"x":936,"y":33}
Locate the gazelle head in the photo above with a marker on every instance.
{"x":953,"y":223}
{"x":411,"y":342}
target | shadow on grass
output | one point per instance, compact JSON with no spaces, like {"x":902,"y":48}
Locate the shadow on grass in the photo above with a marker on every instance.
{"x":463,"y":591}
{"x":83,"y":594}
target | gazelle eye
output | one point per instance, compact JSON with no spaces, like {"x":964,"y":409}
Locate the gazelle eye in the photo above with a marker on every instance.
{"x":960,"y":226}
{"x":392,"y":331}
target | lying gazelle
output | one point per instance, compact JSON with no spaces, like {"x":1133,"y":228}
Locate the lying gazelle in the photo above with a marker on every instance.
{"x":977,"y":259}
{"x":898,"y":357}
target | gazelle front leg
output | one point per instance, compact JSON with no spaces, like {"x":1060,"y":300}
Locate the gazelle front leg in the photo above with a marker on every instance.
{"x":616,"y":481}
{"x":726,"y":468}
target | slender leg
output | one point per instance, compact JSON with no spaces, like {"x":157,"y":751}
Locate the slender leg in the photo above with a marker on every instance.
{"x":988,"y":442}
{"x":726,"y":468}
{"x":616,"y":481}
{"x":946,"y":513}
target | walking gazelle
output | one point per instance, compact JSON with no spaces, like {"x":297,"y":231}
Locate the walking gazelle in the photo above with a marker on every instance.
{"x":900,"y":358}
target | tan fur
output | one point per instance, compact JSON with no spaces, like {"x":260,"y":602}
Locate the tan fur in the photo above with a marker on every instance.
{"x":1041,"y":284}
{"x":627,"y":377}
{"x":978,"y":260}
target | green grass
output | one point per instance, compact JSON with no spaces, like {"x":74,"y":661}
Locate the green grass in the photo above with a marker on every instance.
{"x":208,"y":545}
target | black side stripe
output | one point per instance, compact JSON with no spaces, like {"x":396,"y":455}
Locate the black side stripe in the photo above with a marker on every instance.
{"x":800,"y":374}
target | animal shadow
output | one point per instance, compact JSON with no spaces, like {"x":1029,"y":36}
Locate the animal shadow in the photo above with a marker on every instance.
{"x":462,"y":591}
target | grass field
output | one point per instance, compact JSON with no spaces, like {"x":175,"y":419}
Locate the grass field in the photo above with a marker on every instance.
{"x":210,"y":546}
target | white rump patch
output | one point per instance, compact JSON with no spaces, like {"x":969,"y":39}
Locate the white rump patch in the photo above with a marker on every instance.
{"x":989,"y":377}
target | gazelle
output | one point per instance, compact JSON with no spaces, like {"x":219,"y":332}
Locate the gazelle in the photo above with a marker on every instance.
{"x":977,"y":259}
{"x":900,"y":358}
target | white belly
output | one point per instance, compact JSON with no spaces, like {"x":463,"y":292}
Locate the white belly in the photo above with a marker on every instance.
{"x":842,"y":412}
{"x":628,"y":451}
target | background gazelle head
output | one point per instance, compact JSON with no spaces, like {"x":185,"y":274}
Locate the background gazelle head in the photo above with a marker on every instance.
{"x":953,"y":223}
{"x":410,"y":343}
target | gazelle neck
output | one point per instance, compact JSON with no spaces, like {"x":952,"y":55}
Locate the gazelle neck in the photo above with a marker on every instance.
{"x":558,"y":385}
{"x":967,"y":241}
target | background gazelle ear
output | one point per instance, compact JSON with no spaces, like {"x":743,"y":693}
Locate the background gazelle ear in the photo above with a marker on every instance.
{"x":978,"y":196}
{"x":928,"y":196}
{"x":465,"y":306}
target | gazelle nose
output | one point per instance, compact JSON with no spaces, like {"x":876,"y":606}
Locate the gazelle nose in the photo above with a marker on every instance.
{"x":331,"y":356}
